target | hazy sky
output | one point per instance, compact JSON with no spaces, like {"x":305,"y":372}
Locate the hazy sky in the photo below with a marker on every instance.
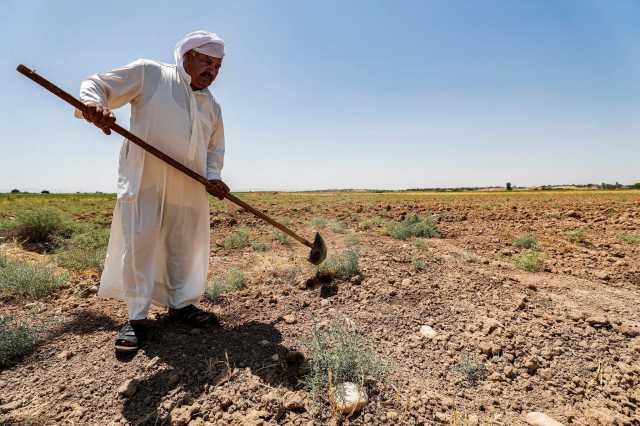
{"x":346,"y":94}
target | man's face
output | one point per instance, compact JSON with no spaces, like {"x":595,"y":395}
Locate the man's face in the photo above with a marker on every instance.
{"x":202,"y":69}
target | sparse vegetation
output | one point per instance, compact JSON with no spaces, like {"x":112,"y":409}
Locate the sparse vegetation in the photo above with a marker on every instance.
{"x":630,"y":238}
{"x":371,"y":222}
{"x":420,"y":243}
{"x":576,"y":236}
{"x":16,"y":339}
{"x":232,"y":281}
{"x":42,"y":225}
{"x":84,"y":251}
{"x":343,"y":352}
{"x":259,"y":245}
{"x":469,"y":257}
{"x":237,"y":239}
{"x":337,"y":227}
{"x":351,"y":240}
{"x":343,"y":265}
{"x":281,"y":237}
{"x":488,"y":206}
{"x":412,"y":226}
{"x":24,"y":279}
{"x":472,"y":369}
{"x":420,"y":265}
{"x":318,"y":223}
{"x":530,"y":261}
{"x":526,"y":241}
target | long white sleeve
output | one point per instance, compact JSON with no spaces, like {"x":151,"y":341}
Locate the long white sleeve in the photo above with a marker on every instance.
{"x":115,"y":88}
{"x":215,"y":151}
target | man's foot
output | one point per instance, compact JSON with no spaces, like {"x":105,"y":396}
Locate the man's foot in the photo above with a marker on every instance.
{"x":194,"y":316}
{"x":129,"y":337}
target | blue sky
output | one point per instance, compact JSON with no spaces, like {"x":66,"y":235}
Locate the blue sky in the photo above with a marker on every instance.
{"x":357,"y":94}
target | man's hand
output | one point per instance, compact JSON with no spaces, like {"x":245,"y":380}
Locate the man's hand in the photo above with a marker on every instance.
{"x":217,"y":188}
{"x":101,"y":116}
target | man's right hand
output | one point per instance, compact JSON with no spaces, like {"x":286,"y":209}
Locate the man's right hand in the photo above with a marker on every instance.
{"x":101,"y":116}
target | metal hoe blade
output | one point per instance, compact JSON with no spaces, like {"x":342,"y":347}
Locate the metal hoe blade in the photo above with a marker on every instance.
{"x":318,"y":250}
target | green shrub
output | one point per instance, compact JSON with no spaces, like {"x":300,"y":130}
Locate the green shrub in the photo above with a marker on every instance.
{"x":42,"y":225}
{"x":488,"y":206}
{"x":472,"y":369}
{"x":344,"y":353}
{"x":84,"y":251}
{"x":630,"y":238}
{"x":16,"y":339}
{"x":526,"y":241}
{"x":232,"y":281}
{"x":281,"y":237}
{"x":420,"y":265}
{"x":337,"y":227}
{"x":412,"y":226}
{"x":259,"y":246}
{"x":530,"y":260}
{"x":343,"y":265}
{"x":372,"y":222}
{"x":318,"y":223}
{"x":420,"y":243}
{"x":469,"y":257}
{"x":237,"y":239}
{"x":576,"y":236}
{"x":24,"y":279}
{"x":351,"y":240}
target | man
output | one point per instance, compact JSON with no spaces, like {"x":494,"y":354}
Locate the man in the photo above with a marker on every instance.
{"x":159,"y":244}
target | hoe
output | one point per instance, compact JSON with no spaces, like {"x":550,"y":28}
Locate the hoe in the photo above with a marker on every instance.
{"x":318,"y":248}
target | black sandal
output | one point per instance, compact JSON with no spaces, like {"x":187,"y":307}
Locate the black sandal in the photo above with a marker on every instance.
{"x":194,"y":316}
{"x":129,"y":337}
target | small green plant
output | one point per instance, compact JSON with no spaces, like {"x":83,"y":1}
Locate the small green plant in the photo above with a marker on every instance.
{"x":630,"y":238}
{"x":576,"y":236}
{"x":259,"y":246}
{"x":530,"y":261}
{"x":283,"y":220}
{"x":237,"y":239}
{"x":281,"y":237}
{"x":469,"y":257}
{"x":526,"y":241}
{"x":318,"y":223}
{"x":472,"y":369}
{"x":42,"y":225}
{"x":412,"y":226}
{"x":488,"y":206}
{"x":343,"y":265}
{"x":371,"y":222}
{"x":16,"y":339}
{"x":420,"y":265}
{"x":232,"y":281}
{"x":342,"y":351}
{"x":351,"y":240}
{"x":24,"y":279}
{"x":420,"y":243}
{"x":84,"y":251}
{"x":337,"y":227}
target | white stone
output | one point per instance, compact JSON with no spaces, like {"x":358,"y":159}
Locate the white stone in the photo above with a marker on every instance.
{"x":348,"y":398}
{"x":536,"y":418}
{"x":427,"y":332}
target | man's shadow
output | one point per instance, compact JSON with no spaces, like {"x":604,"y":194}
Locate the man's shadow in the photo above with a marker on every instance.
{"x":199,"y":362}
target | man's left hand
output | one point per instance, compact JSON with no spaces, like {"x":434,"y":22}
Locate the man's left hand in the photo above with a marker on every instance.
{"x":218,"y":188}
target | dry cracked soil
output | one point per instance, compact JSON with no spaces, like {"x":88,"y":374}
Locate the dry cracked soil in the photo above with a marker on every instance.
{"x":564,"y":341}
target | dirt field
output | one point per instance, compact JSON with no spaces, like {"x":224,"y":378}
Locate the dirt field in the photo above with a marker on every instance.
{"x":564,"y":341}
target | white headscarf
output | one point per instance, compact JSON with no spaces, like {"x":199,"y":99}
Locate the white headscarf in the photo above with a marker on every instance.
{"x":209,"y":44}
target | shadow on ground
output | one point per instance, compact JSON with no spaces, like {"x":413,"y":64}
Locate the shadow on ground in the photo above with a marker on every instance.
{"x":82,"y":322}
{"x":196,"y":361}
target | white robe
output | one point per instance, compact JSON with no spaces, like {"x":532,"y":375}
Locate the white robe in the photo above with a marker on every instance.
{"x":159,"y":244}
